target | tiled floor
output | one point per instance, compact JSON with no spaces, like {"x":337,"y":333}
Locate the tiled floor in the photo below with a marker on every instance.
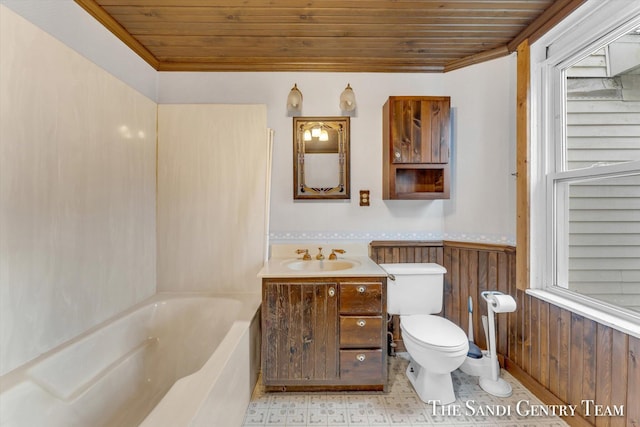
{"x":399,"y":407}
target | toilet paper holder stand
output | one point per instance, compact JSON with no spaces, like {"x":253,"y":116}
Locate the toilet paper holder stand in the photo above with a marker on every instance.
{"x":491,"y":297}
{"x":493,"y":384}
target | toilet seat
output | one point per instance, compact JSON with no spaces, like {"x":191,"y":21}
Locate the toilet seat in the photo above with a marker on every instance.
{"x":434,"y":332}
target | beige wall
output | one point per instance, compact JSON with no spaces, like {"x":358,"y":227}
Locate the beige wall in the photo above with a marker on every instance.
{"x":77,"y":193}
{"x":483,"y":150}
{"x":211,"y":197}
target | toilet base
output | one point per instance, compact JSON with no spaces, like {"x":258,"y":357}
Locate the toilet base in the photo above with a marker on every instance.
{"x":429,"y":386}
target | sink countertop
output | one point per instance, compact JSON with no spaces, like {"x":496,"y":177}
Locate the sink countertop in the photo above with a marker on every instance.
{"x":277,"y":267}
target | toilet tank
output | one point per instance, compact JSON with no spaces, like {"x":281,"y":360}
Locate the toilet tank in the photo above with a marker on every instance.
{"x":414,"y":288}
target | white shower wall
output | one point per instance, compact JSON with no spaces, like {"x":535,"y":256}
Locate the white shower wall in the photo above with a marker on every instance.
{"x":77,"y":193}
{"x":211,"y":197}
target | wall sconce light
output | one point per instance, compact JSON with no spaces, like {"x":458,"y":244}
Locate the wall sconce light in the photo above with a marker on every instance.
{"x":294,"y":101}
{"x":348,"y":99}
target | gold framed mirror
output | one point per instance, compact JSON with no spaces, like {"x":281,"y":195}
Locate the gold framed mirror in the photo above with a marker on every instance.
{"x":321,"y":158}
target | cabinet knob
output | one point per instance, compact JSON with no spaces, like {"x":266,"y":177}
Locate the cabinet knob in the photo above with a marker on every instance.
{"x":332,"y":292}
{"x":361,"y":357}
{"x":361,"y":289}
{"x":361,"y":323}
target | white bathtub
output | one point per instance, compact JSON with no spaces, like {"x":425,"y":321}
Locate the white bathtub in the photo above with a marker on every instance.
{"x":175,"y":360}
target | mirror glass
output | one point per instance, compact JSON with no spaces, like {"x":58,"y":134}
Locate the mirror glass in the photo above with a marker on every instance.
{"x":321,"y":158}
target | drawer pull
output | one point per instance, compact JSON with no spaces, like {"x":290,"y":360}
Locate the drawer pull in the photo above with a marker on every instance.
{"x":361,"y":289}
{"x":332,"y":292}
{"x":361,"y":323}
{"x":361,"y":357}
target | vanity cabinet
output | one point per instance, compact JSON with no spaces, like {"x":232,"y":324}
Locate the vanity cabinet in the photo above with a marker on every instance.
{"x":416,"y":141}
{"x":324,"y":334}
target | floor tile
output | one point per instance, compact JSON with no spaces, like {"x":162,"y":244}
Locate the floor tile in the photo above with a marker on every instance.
{"x":399,"y":407}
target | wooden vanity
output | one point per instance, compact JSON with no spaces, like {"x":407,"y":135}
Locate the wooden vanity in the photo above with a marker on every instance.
{"x":324,"y":333}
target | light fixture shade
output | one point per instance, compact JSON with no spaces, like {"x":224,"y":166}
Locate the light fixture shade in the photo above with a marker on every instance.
{"x":307,"y":135}
{"x":324,"y":135}
{"x":347,"y":99}
{"x":294,"y":100}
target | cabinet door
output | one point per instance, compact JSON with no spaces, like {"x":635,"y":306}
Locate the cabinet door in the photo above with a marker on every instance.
{"x":420,"y":130}
{"x":300,"y":322}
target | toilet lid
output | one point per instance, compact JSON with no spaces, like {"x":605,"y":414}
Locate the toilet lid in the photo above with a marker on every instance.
{"x":433,"y":330}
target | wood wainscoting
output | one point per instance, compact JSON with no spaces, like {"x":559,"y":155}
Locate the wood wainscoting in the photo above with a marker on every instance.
{"x":562,"y":357}
{"x":565,"y":358}
{"x":471,"y":269}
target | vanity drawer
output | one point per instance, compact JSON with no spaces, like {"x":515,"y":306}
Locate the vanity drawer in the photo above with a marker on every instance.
{"x":360,"y":331}
{"x":361,"y":298}
{"x":361,"y":365}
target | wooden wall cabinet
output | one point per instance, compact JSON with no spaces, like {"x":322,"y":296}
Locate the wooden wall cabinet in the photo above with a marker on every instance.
{"x":416,"y":141}
{"x":324,"y":334}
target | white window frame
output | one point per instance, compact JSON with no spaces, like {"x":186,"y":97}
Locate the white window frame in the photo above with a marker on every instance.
{"x":594,"y":25}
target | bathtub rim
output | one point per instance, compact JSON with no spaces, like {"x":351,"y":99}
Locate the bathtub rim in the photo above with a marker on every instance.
{"x":173,"y":410}
{"x":19,"y":374}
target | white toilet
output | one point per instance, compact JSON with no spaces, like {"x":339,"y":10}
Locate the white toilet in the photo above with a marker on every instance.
{"x":436,"y":345}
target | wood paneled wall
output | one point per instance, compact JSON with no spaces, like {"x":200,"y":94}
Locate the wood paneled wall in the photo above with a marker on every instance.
{"x":395,"y":251}
{"x":472,"y":269}
{"x":564,"y":358}
{"x":568,"y":358}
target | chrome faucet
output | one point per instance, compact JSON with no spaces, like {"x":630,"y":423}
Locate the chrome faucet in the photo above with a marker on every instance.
{"x":320,"y":256}
{"x":306,"y":255}
{"x":333,"y":255}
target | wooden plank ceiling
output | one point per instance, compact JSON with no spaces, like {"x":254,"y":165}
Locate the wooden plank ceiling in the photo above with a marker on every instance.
{"x":327,"y":35}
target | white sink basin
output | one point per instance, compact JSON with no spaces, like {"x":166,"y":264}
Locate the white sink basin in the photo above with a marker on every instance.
{"x":324,"y":265}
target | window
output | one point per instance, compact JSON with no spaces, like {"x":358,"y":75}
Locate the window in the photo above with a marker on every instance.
{"x":586,"y":159}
